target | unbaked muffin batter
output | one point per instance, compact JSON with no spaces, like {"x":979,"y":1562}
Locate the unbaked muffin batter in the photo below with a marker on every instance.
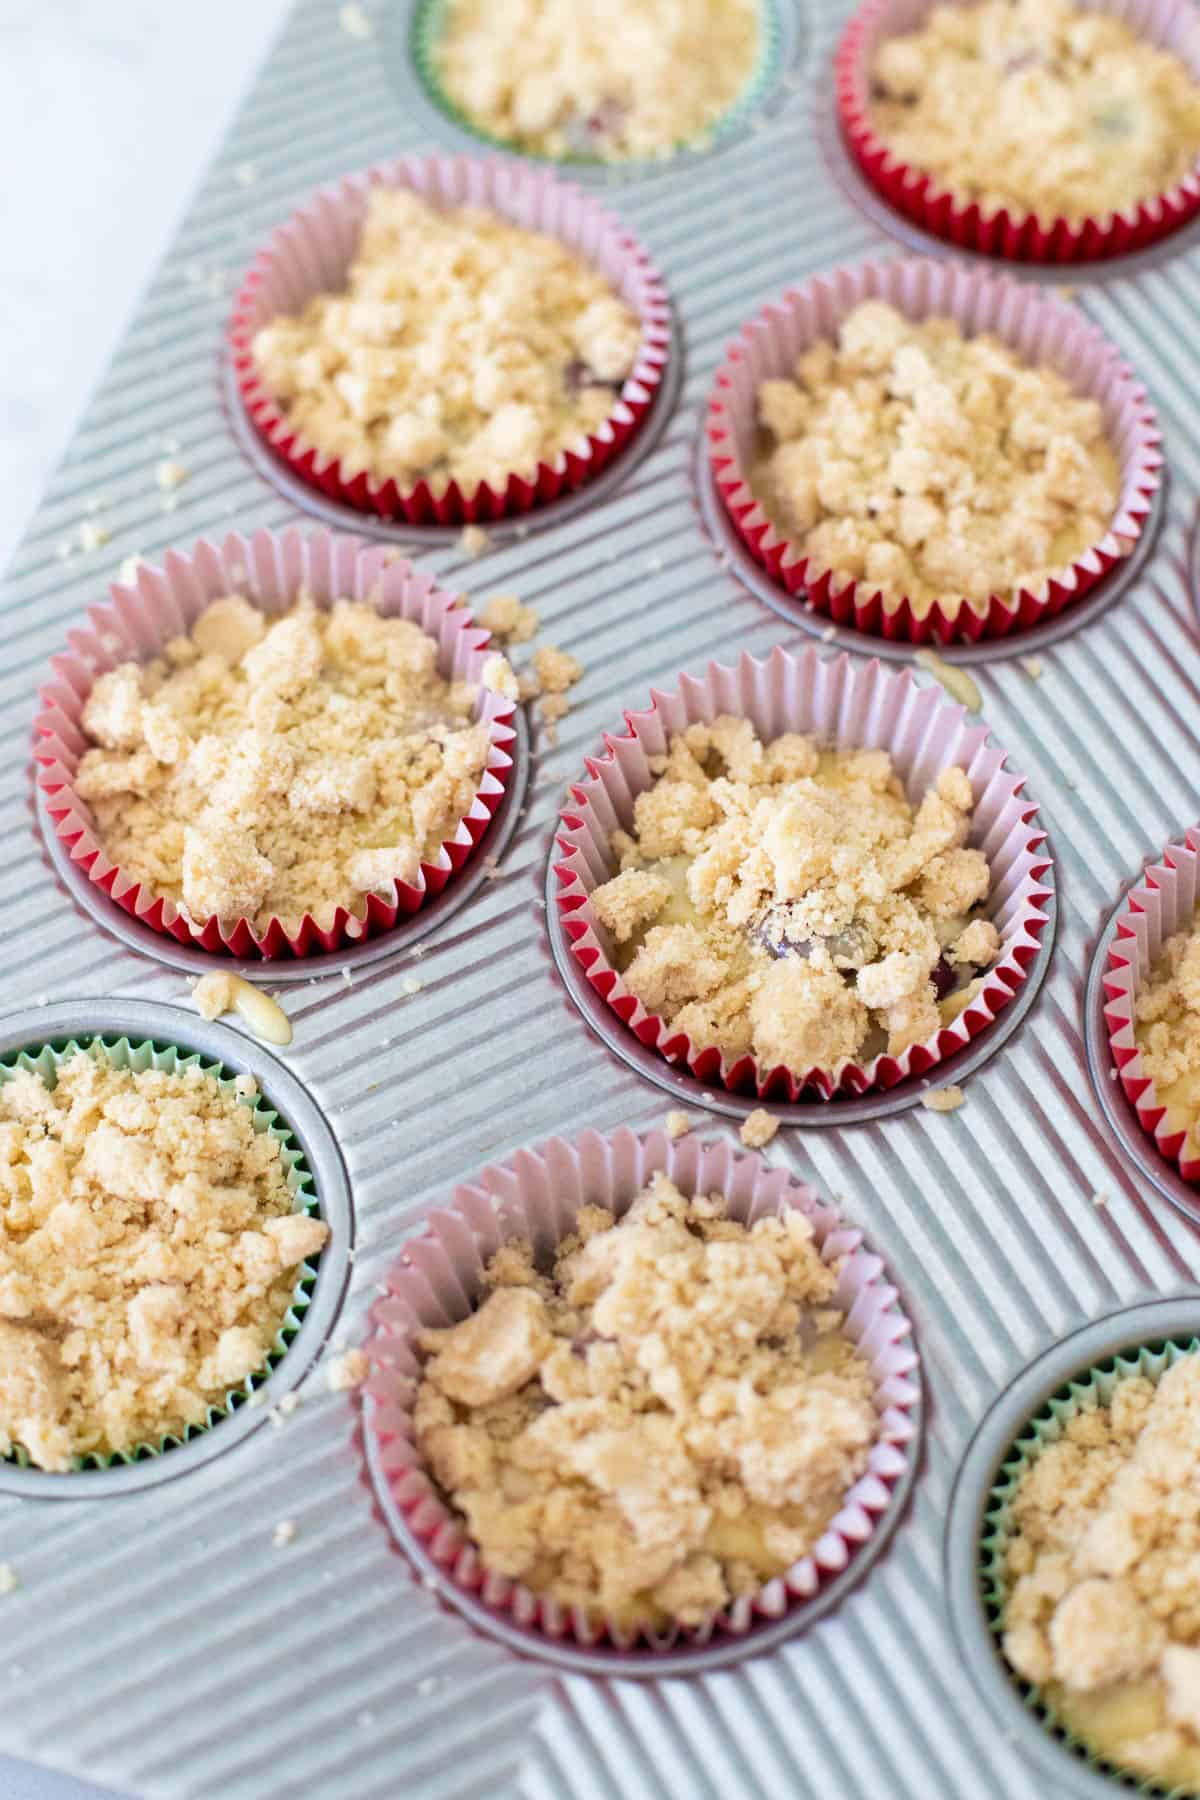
{"x":791,"y":903}
{"x":269,"y":767}
{"x":148,"y":1254}
{"x":1039,"y":107}
{"x":663,"y":1420}
{"x":607,"y":78}
{"x":462,"y":349}
{"x":1103,"y":1616}
{"x":1167,"y":1029}
{"x":928,"y":465}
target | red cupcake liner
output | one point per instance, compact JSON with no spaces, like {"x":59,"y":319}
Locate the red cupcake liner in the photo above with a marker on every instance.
{"x":846,"y":707}
{"x":270,"y":570}
{"x":312,"y":253}
{"x":534,"y":1198}
{"x":1162,"y":904}
{"x":1022,"y":237}
{"x":1040,"y":328}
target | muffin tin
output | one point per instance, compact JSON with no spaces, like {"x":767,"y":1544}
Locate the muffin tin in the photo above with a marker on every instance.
{"x":160,"y":1643}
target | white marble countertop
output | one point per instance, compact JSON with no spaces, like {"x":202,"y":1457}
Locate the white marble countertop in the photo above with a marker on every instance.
{"x":109,"y":111}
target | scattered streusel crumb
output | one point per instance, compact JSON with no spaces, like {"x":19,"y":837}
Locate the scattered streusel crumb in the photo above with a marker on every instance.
{"x":556,"y":670}
{"x":220,"y":993}
{"x":473,"y":540}
{"x":1100,"y":1199}
{"x":171,"y":474}
{"x":428,"y":1684}
{"x":677,"y":1123}
{"x":1032,"y":666}
{"x":246,"y":174}
{"x":411,"y":986}
{"x":349,"y":1370}
{"x":92,"y":534}
{"x":289,"y":1403}
{"x":355,"y":21}
{"x":463,"y":349}
{"x":665,"y":1420}
{"x":8,"y":1579}
{"x":1103,"y":1558}
{"x":128,"y":572}
{"x":508,"y":619}
{"x":284,"y":1533}
{"x":148,"y":1254}
{"x":958,"y":684}
{"x":943,"y":1100}
{"x":759,"y":1128}
{"x":281,"y":766}
{"x":499,"y":677}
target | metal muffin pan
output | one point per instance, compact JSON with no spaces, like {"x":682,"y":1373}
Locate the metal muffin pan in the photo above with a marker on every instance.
{"x":162,"y":1646}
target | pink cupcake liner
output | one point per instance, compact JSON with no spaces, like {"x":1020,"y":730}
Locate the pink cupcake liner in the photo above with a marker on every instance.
{"x":312,"y":254}
{"x":1162,"y":904}
{"x":845,"y":707}
{"x":535,"y":1198}
{"x":1022,"y":237}
{"x":1042,"y":329}
{"x":270,"y":570}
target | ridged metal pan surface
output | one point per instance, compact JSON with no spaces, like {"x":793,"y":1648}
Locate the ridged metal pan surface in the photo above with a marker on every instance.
{"x":158,"y":1643}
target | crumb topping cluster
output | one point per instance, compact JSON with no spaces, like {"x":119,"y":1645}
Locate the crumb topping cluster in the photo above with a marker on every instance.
{"x":278,"y":767}
{"x":664,"y":1420}
{"x":1167,"y":1027}
{"x":148,"y":1254}
{"x":1103,"y":1614}
{"x":462,"y":349}
{"x":792,"y":903}
{"x":930,"y":465}
{"x":606,"y":78}
{"x":1039,"y":107}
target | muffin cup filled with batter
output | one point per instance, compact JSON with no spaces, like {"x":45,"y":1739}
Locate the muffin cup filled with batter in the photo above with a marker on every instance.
{"x":104,"y":746}
{"x":1087,"y":1555}
{"x":783,"y":721}
{"x":1089,"y":148}
{"x":854,"y":1409}
{"x":152,"y":1347}
{"x":350,"y":372}
{"x":1153,"y":1010}
{"x":587,"y":81}
{"x":925,"y":453}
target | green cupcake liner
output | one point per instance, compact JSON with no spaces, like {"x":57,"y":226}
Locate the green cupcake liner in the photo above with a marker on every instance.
{"x":46,"y":1061}
{"x":429,"y":17}
{"x":1083,"y":1393}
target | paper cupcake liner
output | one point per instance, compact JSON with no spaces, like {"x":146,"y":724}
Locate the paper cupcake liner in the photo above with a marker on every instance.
{"x":845,"y":707}
{"x":535,"y":1198}
{"x":124,"y":1054}
{"x":1020,"y":237}
{"x":270,"y":570}
{"x":1162,"y":904}
{"x":1091,"y":1388}
{"x":312,"y":254}
{"x":1040,"y":328}
{"x":429,"y":22}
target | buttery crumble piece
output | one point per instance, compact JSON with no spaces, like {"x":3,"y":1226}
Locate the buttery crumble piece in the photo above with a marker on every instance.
{"x":791,"y":903}
{"x":1037,"y":106}
{"x":931,"y":466}
{"x":758,"y":1129}
{"x":677,"y":1124}
{"x":499,"y":677}
{"x":463,"y":349}
{"x":278,"y":766}
{"x":355,"y":21}
{"x":662,"y":1421}
{"x":1032,"y":666}
{"x":347,"y":1371}
{"x":508,"y":619}
{"x":1167,"y":1029}
{"x":220,"y":993}
{"x":171,"y":474}
{"x":556,"y":670}
{"x":606,"y":78}
{"x":943,"y":1100}
{"x":8,"y":1579}
{"x":958,"y":683}
{"x":148,"y":1254}
{"x":1103,"y":1610}
{"x":473,"y":540}
{"x":92,"y":534}
{"x":284,"y":1533}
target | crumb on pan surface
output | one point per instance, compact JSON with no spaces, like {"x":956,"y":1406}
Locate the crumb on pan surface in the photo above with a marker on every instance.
{"x":1039,"y":107}
{"x":943,"y":1099}
{"x":280,"y":766}
{"x":660,"y":1423}
{"x":148,"y":1255}
{"x":759,"y":1128}
{"x":1103,"y":1567}
{"x":607,"y":78}
{"x":1167,"y":1029}
{"x":792,"y":903}
{"x":931,"y":466}
{"x":462,"y":349}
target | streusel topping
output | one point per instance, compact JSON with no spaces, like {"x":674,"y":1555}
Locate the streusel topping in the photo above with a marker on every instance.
{"x":1103,"y":1615}
{"x":148,"y":1254}
{"x":1167,"y":1028}
{"x":666,"y":1419}
{"x":929,"y":465}
{"x":607,"y":78}
{"x":462,"y":349}
{"x":790,"y":902}
{"x":272,"y":767}
{"x":1037,"y":106}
